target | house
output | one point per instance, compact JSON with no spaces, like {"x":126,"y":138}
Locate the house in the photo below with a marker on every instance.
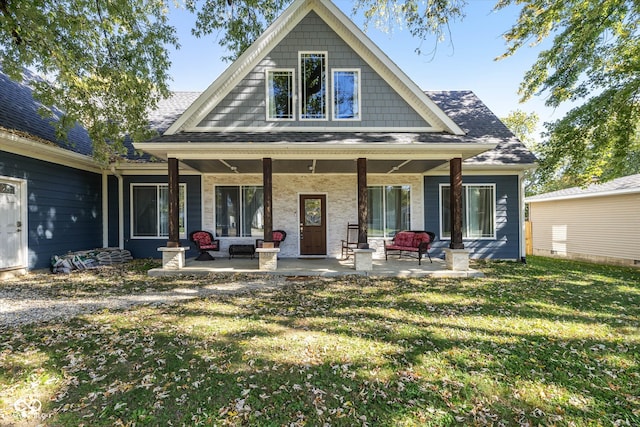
{"x":598,"y":223}
{"x":312,"y":128}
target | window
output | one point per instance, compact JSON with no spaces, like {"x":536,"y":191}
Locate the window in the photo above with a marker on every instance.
{"x":150,"y":207}
{"x":313,"y":84}
{"x":478,"y":211}
{"x":7,"y":188}
{"x":389,"y":210}
{"x":346,"y":94}
{"x":239,"y":211}
{"x":280,"y":95}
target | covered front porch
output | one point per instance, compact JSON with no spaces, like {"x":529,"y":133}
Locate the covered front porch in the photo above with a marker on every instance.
{"x":338,"y":175}
{"x":321,"y":267}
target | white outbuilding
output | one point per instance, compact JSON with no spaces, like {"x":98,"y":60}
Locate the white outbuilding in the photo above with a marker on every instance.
{"x":599,"y":223}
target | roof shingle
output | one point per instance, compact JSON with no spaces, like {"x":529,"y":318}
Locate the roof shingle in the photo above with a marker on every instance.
{"x":19,"y":112}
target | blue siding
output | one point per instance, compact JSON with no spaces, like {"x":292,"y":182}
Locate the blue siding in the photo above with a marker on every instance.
{"x":507,"y":242}
{"x":64,"y":207}
{"x":148,"y":248}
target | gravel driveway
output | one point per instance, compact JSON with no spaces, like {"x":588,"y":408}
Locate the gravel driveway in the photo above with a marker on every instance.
{"x":44,"y":297}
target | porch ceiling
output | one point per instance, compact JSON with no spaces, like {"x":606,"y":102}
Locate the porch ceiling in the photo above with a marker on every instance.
{"x":308,"y":165}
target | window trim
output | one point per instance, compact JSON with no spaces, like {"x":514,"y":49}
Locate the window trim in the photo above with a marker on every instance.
{"x":465,"y":188}
{"x":384,"y":204}
{"x":215,"y":212}
{"x":268,"y":72}
{"x":300,"y":84}
{"x":333,"y":95}
{"x":132,"y":216}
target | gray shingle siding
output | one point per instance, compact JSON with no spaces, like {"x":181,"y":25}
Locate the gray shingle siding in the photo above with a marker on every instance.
{"x":148,"y":248}
{"x":381,"y":106}
{"x":507,"y":242}
{"x":64,"y":207}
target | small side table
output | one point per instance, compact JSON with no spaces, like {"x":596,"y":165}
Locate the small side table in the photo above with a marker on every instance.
{"x":242,"y":250}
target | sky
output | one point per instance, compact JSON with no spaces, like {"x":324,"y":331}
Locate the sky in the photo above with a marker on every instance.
{"x":464,"y":61}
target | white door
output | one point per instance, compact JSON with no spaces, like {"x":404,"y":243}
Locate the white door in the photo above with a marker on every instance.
{"x":11,"y":242}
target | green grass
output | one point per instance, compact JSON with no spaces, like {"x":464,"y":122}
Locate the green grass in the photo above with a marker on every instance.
{"x":547,"y":343}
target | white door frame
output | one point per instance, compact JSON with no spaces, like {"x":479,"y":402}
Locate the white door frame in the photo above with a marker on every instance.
{"x":24,"y":250}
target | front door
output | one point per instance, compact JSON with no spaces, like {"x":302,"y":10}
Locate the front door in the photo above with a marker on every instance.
{"x":313,"y":224}
{"x":11,"y":247}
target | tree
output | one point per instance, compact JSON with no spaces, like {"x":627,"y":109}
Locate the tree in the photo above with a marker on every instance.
{"x":594,"y":60}
{"x":239,"y":21}
{"x":524,"y":125}
{"x":105,"y":62}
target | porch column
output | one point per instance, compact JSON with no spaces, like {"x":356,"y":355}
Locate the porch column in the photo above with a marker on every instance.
{"x":456,"y":256}
{"x":363,"y":256}
{"x":455,"y":206}
{"x":267,"y":254}
{"x":363,"y":204}
{"x":174,"y":202}
{"x":267,"y":182}
{"x":173,"y":255}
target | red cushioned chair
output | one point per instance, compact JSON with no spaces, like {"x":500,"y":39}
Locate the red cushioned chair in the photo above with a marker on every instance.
{"x":204,"y":242}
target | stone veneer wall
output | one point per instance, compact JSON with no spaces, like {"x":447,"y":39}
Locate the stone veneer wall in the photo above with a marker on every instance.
{"x":341,"y":192}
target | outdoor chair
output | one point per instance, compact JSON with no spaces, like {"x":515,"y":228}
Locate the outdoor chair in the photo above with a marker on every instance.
{"x":408,"y":241}
{"x":278,"y":236}
{"x":204,"y":242}
{"x":351,"y":241}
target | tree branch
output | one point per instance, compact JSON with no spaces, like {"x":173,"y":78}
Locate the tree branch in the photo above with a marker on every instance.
{"x":4,"y":9}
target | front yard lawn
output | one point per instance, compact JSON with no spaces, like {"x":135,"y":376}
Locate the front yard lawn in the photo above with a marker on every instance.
{"x":547,"y":343}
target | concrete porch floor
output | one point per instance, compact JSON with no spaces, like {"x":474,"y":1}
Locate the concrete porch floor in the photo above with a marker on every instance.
{"x":325,"y":267}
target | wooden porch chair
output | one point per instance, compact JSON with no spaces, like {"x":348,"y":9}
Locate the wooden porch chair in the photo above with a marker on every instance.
{"x":351,"y":241}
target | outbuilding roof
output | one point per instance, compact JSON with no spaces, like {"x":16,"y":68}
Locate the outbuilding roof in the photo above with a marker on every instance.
{"x":625,"y":185}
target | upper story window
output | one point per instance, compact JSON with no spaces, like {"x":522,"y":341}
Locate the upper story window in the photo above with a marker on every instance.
{"x":280,"y":94}
{"x":478,"y":211}
{"x":313,"y":85}
{"x":346,"y":94}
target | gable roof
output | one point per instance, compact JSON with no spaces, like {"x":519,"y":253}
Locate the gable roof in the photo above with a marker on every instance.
{"x":625,"y":185}
{"x":345,"y":29}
